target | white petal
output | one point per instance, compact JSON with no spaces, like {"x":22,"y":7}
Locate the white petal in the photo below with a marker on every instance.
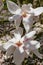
{"x":32,"y":45}
{"x":18,"y":31}
{"x":37,"y":46}
{"x":10,"y":50}
{"x":17,"y":20}
{"x":28,"y":22}
{"x":9,"y":43}
{"x":28,"y":36}
{"x":27,"y":51}
{"x":22,"y":39}
{"x":1,"y":43}
{"x":38,"y":11}
{"x":33,"y":49}
{"x":18,"y":12}
{"x":26,"y":26}
{"x":10,"y":18}
{"x":35,"y":43}
{"x":19,"y":57}
{"x":12,"y":40}
{"x":1,"y":48}
{"x":37,"y":53}
{"x":21,"y":49}
{"x":27,"y":7}
{"x":27,"y":18}
{"x":17,"y":36}
{"x":12,"y":7}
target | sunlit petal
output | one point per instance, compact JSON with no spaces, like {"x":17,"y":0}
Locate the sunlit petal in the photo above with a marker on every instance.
{"x":9,"y":43}
{"x":26,"y":26}
{"x":19,"y":57}
{"x":38,"y":11}
{"x":35,"y":43}
{"x":26,"y":7}
{"x":10,"y":18}
{"x":27,"y":51}
{"x":10,"y":50}
{"x":28,"y":22}
{"x":19,"y":30}
{"x":32,"y":48}
{"x":1,"y":47}
{"x":17,"y":36}
{"x":18,"y":12}
{"x":28,"y":36}
{"x":37,"y":53}
{"x":17,"y":20}
{"x":29,"y":5}
{"x":12,"y":7}
{"x":21,"y":48}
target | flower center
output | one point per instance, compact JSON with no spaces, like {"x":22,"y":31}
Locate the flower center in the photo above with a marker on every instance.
{"x":24,"y":14}
{"x":19,"y":44}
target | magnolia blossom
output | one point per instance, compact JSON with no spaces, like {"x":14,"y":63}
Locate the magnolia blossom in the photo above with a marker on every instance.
{"x":22,"y":46}
{"x":25,"y":13}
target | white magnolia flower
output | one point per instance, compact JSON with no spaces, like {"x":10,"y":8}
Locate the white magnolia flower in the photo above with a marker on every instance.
{"x":25,"y":13}
{"x":17,"y":39}
{"x":22,"y":46}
